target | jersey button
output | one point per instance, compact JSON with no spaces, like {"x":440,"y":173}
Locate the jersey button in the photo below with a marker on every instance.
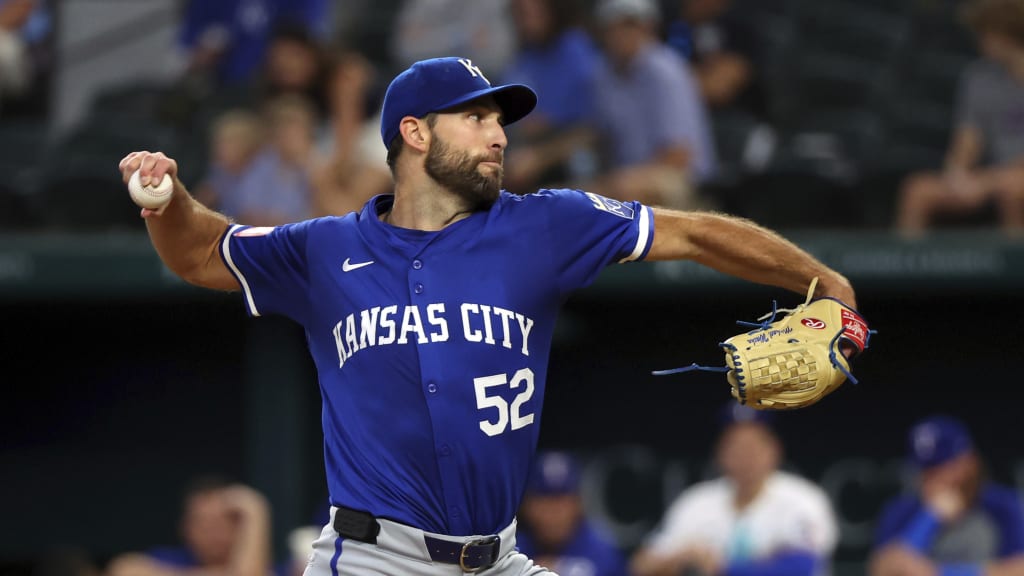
{"x":417,"y":264}
{"x":445,"y":450}
{"x":432,"y":388}
{"x":418,"y":288}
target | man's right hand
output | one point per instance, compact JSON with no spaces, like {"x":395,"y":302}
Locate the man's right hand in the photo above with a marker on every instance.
{"x":151,"y":166}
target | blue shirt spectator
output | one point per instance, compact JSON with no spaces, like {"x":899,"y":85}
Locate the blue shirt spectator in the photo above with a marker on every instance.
{"x":225,"y":529}
{"x":652,"y":104}
{"x":558,"y":59}
{"x":272,"y":191}
{"x":562,"y":74}
{"x":554,"y":529}
{"x":653,"y":127}
{"x":954,"y":524}
{"x":233,"y":35}
{"x":276,"y":187}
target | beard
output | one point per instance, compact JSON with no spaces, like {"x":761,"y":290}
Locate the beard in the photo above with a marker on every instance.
{"x":459,"y":173}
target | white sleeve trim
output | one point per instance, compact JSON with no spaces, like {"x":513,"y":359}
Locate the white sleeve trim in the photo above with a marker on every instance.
{"x":642,"y":236}
{"x":226,"y":249}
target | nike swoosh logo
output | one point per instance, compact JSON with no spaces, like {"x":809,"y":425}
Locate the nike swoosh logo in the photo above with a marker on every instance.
{"x":347,"y":266}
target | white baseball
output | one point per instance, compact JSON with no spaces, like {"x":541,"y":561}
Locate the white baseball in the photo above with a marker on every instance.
{"x":152,"y":197}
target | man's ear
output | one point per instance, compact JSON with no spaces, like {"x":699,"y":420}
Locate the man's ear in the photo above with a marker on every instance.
{"x":415,"y":133}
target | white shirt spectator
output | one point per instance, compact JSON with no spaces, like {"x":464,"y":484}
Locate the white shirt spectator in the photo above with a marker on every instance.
{"x":790,"y":513}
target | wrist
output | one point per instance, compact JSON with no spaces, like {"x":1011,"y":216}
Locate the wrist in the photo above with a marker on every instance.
{"x":838,"y":287}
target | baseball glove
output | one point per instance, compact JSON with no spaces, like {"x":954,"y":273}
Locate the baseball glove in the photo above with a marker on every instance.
{"x":792,"y":358}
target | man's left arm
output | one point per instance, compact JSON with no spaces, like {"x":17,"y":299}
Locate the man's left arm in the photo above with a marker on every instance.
{"x":744,"y":249}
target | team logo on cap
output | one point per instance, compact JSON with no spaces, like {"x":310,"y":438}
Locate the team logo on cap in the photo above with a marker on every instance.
{"x":473,"y":69}
{"x":925,"y":441}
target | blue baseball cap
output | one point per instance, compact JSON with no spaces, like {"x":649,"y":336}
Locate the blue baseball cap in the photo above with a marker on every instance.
{"x":554,"y":473}
{"x":936,"y":440}
{"x":735,"y":413}
{"x":441,"y":83}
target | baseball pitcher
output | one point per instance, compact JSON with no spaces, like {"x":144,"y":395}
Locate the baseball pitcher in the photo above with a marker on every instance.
{"x":429,"y":315}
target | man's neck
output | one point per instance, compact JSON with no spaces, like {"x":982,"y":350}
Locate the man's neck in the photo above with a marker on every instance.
{"x":425,"y":205}
{"x":746,"y":493}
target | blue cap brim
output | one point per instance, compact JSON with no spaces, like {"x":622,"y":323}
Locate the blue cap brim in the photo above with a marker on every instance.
{"x":515,"y":100}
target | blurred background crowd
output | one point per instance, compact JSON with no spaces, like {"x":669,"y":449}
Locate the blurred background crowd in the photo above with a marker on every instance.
{"x":896,"y":114}
{"x":148,"y":451}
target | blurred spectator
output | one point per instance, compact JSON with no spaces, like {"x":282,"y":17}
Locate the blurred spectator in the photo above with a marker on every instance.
{"x":236,"y":136}
{"x":721,"y":50}
{"x":300,"y":541}
{"x":553,"y":528}
{"x":276,"y":187}
{"x":355,"y":161}
{"x":225,"y":529}
{"x":985,"y":161}
{"x":26,"y":28}
{"x":653,"y":124}
{"x":558,"y":59}
{"x":227,"y":40}
{"x":755,"y":520}
{"x":295,"y":63}
{"x":956,"y":522}
{"x":480,"y":31}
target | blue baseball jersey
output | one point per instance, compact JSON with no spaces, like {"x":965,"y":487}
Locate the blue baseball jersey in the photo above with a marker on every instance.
{"x":589,"y":552}
{"x":992,"y":529}
{"x":431,"y":348}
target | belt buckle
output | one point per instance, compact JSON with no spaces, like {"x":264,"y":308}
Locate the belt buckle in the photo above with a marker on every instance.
{"x":465,"y":548}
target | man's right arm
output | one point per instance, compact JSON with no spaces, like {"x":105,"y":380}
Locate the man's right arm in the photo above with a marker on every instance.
{"x":185,"y":234}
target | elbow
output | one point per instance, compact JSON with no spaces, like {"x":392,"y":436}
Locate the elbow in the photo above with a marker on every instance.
{"x":190,"y":272}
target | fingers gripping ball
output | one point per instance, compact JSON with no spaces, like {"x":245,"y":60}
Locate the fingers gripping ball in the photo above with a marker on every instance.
{"x":797,"y":360}
{"x":152,"y":197}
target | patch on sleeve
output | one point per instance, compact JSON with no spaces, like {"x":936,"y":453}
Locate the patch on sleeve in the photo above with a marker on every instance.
{"x":255,"y":231}
{"x":611,"y":206}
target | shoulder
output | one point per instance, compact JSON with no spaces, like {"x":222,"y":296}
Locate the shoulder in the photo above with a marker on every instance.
{"x":1000,"y":499}
{"x":800,"y":495}
{"x":662,"y":61}
{"x":702,"y":494}
{"x":600,"y":543}
{"x":578,"y":44}
{"x":596,"y":533}
{"x":899,"y":508}
{"x":542,"y":197}
{"x":792,"y":485}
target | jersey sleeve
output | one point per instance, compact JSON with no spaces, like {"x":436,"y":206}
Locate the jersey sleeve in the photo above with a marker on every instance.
{"x":270,"y":264}
{"x":1005,"y":507}
{"x":587,"y":232}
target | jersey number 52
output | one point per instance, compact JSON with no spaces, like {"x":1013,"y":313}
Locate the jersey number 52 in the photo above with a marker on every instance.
{"x":508,"y":414}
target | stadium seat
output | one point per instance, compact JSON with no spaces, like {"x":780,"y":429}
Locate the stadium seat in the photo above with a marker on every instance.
{"x":79,"y":186}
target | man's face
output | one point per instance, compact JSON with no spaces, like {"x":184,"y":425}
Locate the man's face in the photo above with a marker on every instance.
{"x":622,"y":38}
{"x":999,"y":47}
{"x":466,"y":153}
{"x":748,"y":453}
{"x":291,"y":65}
{"x":532,"y":19}
{"x":959,"y":474}
{"x":552,"y":518}
{"x":209,"y":527}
